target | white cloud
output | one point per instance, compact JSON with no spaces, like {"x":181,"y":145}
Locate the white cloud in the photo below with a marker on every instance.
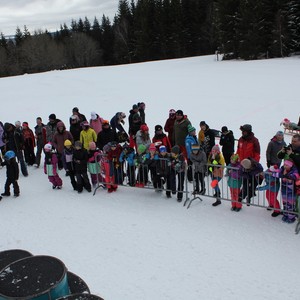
{"x":49,"y":14}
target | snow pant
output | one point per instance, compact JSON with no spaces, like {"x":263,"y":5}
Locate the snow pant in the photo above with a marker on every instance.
{"x":289,"y":207}
{"x":142,"y":176}
{"x":39,"y":149}
{"x":15,"y":186}
{"x":248,"y":189}
{"x":227,"y":157}
{"x":73,"y":180}
{"x":190,"y":171}
{"x":59,"y":161}
{"x":21,"y":160}
{"x":168,"y":184}
{"x":216,"y":188}
{"x":234,"y":193}
{"x":29,"y":153}
{"x":83,"y":181}
{"x":109,"y":179}
{"x":131,"y":175}
{"x":96,"y":178}
{"x":55,"y":180}
{"x":180,"y":183}
{"x":199,"y":177}
{"x":156,"y":179}
{"x":272,"y":199}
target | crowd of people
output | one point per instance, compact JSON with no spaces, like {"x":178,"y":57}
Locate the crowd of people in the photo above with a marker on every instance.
{"x":109,"y":153}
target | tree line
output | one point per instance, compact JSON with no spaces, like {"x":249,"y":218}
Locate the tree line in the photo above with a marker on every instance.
{"x":144,"y":30}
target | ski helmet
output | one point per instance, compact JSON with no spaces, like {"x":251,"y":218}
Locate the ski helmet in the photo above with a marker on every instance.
{"x":9,"y":154}
{"x":67,"y":143}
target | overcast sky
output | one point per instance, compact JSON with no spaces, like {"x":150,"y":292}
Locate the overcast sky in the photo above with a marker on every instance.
{"x":49,"y":14}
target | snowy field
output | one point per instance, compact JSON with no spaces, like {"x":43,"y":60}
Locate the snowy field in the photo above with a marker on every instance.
{"x":135,"y":243}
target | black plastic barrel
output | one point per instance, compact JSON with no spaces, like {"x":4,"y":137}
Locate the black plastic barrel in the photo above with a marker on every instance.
{"x":76,"y":284}
{"x":9,"y":256}
{"x":35,"y":278}
{"x":81,"y":297}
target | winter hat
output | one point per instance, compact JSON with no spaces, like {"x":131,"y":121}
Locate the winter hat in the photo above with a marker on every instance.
{"x":75,"y":109}
{"x":18,"y":123}
{"x":162,"y":149}
{"x":158,"y":128}
{"x":274,"y":169}
{"x":142,"y":148}
{"x":202,"y":123}
{"x":288,"y":163}
{"x":93,"y":115}
{"x":105,"y":122}
{"x":190,"y":128}
{"x":246,"y":127}
{"x":78,"y":144}
{"x":234,"y":158}
{"x":52,"y":117}
{"x":246,"y":163}
{"x":179,"y":112}
{"x":175,"y":149}
{"x":92,"y":146}
{"x":113,"y":144}
{"x":152,"y":147}
{"x":25,"y":124}
{"x":48,"y":147}
{"x":172,"y":111}
{"x":85,"y":124}
{"x":280,"y":133}
{"x":67,"y":143}
{"x":216,"y":148}
{"x":224,"y":129}
{"x":144,"y":127}
{"x":134,"y":106}
{"x":195,"y":147}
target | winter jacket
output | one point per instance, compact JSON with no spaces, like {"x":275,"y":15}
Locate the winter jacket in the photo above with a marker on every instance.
{"x":93,"y":161}
{"x":180,"y":131}
{"x":13,"y":138}
{"x":178,"y":163}
{"x":67,"y":159}
{"x":164,"y":165}
{"x":128,"y":156}
{"x":60,"y":137}
{"x":295,"y":156}
{"x":50,"y":164}
{"x":209,"y":140}
{"x":134,"y":128}
{"x":142,"y":138}
{"x":234,"y":172}
{"x":116,"y":123}
{"x":96,"y":124}
{"x":12,"y":169}
{"x":272,"y":182}
{"x":40,"y":134}
{"x":288,"y":183}
{"x":189,"y":141}
{"x":161,"y":139}
{"x":80,"y":159}
{"x":151,"y":161}
{"x":1,"y":135}
{"x":254,"y":171}
{"x":75,"y":129}
{"x":169,"y":127}
{"x":114,"y":155}
{"x":227,"y":142}
{"x":273,"y":148}
{"x":199,"y":161}
{"x":51,"y":129}
{"x":248,"y":146}
{"x":219,"y":162}
{"x":87,"y":136}
{"x":105,"y":136}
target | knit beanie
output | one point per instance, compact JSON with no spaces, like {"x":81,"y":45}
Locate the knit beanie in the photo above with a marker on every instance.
{"x":142,"y":148}
{"x":78,"y":144}
{"x":190,"y":128}
{"x":152,"y":147}
{"x":93,"y":115}
{"x":246,"y":163}
{"x":162,"y":149}
{"x":288,"y":163}
{"x":52,"y":117}
{"x":195,"y":147}
{"x":92,"y":146}
{"x":216,"y":148}
{"x":179,"y":112}
{"x":144,"y":127}
{"x":224,"y":129}
{"x":175,"y":149}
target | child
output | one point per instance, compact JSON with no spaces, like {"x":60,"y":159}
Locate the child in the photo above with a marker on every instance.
{"x":12,"y":174}
{"x":289,"y":174}
{"x":94,"y":157}
{"x":234,"y":181}
{"x":116,"y":170}
{"x":199,"y":160}
{"x":251,"y":170}
{"x":80,"y":158}
{"x":177,"y":168}
{"x":142,"y":176}
{"x":50,"y":167}
{"x":164,"y":169}
{"x":152,"y":162}
{"x":272,"y":188}
{"x":67,"y":160}
{"x":216,"y":158}
{"x":128,"y":155}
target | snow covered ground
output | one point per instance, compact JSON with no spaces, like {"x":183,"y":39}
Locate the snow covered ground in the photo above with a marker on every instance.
{"x":135,"y":243}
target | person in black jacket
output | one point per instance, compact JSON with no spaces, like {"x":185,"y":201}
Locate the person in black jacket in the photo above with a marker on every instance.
{"x":12,"y":174}
{"x":106,"y":135}
{"x":209,"y":138}
{"x":227,"y":143}
{"x":80,"y":159}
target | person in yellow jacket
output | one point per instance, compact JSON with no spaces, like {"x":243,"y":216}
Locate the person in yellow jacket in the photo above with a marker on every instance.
{"x":216,"y":164}
{"x":87,"y":135}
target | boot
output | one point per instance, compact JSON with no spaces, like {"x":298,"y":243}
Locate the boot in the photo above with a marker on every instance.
{"x":202,"y":192}
{"x":218,"y":202}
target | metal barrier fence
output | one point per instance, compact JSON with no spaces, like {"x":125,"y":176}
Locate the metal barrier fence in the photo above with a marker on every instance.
{"x":265,"y":190}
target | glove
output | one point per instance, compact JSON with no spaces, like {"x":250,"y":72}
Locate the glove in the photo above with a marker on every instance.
{"x":210,"y":169}
{"x":215,"y":162}
{"x":268,"y":164}
{"x":157,"y":144}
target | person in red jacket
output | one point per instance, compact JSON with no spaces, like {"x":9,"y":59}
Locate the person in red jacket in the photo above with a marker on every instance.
{"x":160,"y":138}
{"x":248,"y":144}
{"x":29,"y":144}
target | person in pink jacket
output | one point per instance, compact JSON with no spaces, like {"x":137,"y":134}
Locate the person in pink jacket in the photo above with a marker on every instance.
{"x":96,"y":122}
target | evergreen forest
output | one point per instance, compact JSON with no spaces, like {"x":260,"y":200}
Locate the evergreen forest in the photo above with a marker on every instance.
{"x":145,"y":30}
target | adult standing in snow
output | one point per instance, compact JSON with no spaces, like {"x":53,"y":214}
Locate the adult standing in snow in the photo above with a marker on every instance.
{"x":75,"y":127}
{"x":40,"y":136}
{"x":274,"y":146}
{"x":87,"y":135}
{"x":142,"y":107}
{"x":227,"y":143}
{"x":248,"y":144}
{"x":51,"y":127}
{"x":143,"y":137}
{"x":133,"y":129}
{"x":96,"y":122}
{"x":82,"y":118}
{"x":181,"y":131}
{"x":169,"y":125}
{"x":29,"y":144}
{"x":133,"y":113}
{"x":106,"y":135}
